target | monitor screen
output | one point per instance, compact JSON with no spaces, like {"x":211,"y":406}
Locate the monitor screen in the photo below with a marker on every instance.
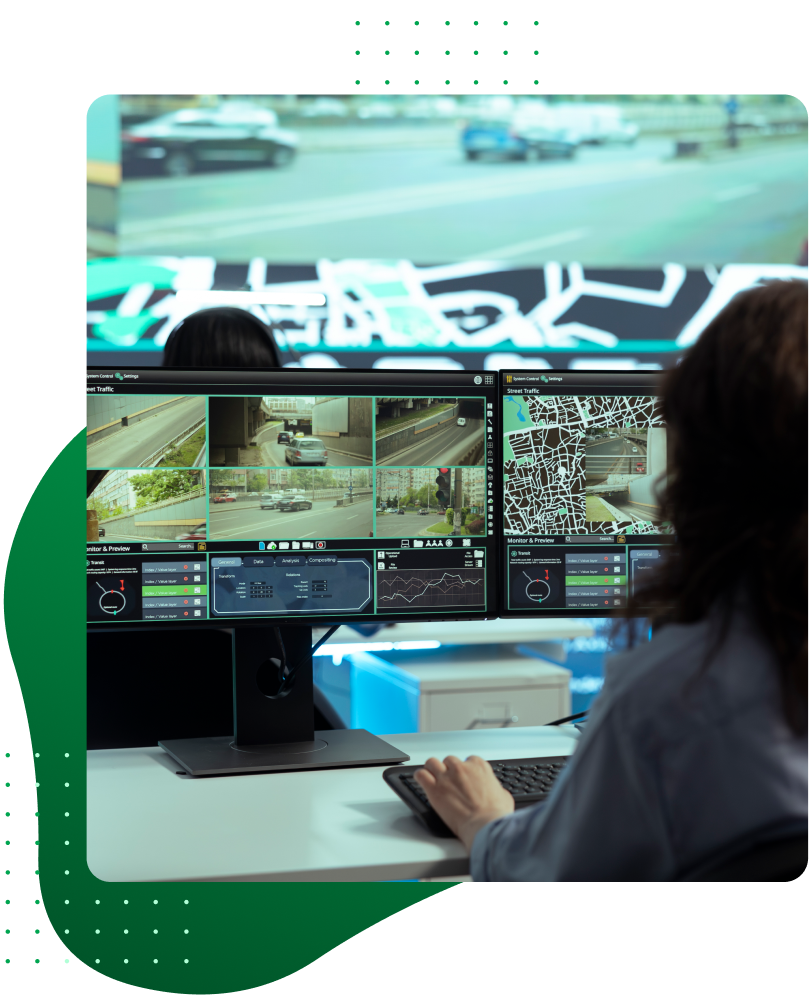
{"x":583,"y":454}
{"x":318,"y":496}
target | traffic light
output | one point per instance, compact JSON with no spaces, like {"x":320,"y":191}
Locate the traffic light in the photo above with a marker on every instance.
{"x":443,"y":487}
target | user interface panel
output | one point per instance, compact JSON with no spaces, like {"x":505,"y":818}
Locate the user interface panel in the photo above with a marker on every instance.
{"x":583,"y":454}
{"x":324,"y":495}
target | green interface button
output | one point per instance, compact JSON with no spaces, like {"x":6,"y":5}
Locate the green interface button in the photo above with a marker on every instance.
{"x":582,"y":579}
{"x":163,"y":590}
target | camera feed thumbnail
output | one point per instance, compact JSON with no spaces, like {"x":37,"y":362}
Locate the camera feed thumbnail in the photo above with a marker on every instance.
{"x":303,"y":504}
{"x":430,"y":431}
{"x":128,"y":506}
{"x":146,"y":430}
{"x":292,"y":431}
{"x":622,"y":466}
{"x":423,"y":502}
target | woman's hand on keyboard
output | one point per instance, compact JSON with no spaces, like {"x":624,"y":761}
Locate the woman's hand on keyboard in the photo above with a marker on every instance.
{"x":466,"y":795}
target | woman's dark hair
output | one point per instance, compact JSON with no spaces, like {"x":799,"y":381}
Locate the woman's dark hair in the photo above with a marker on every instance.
{"x":736,"y":490}
{"x":222,"y":337}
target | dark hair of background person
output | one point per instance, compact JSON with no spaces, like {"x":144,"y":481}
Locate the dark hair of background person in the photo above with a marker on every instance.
{"x":222,"y":337}
{"x":736,"y":489}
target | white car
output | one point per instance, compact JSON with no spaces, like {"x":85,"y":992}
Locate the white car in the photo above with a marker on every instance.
{"x":461,"y":422}
{"x":635,"y":449}
{"x":377,"y":109}
{"x":324,"y":107}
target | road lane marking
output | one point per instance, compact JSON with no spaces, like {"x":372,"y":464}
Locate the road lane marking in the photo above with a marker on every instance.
{"x":741,"y":191}
{"x":226,"y":224}
{"x":526,"y":246}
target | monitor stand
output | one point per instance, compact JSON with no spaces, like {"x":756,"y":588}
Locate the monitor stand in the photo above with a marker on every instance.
{"x":276,"y":735}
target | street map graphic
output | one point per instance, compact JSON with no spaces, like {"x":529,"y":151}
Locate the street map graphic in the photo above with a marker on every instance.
{"x":544,"y":459}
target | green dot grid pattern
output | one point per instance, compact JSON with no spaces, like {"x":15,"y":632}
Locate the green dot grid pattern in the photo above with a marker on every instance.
{"x":447,"y":52}
{"x":197,"y":949}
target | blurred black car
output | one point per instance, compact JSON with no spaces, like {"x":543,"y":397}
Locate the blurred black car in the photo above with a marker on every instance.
{"x":293,"y":504}
{"x":180,"y":142}
{"x":283,"y":436}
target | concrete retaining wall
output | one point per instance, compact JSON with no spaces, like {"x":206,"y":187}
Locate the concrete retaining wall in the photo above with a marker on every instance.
{"x":163,"y":521}
{"x":396,"y":441}
{"x":106,"y":414}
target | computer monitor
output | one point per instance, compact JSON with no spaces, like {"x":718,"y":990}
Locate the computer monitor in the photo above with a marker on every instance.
{"x":286,"y":499}
{"x":582,"y":455}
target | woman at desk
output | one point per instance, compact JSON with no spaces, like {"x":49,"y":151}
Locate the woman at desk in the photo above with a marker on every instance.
{"x":700,"y":735}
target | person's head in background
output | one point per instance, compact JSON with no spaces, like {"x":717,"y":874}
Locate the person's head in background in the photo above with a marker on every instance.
{"x":736,"y":489}
{"x":222,"y":337}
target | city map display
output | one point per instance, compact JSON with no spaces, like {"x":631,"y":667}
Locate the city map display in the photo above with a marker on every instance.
{"x":550,"y":486}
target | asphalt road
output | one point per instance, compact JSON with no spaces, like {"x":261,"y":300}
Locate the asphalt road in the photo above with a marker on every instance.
{"x":127,"y":448}
{"x":323,"y":521}
{"x":405,"y":526}
{"x":273,"y":452}
{"x":610,"y":206}
{"x":411,"y":524}
{"x":442,"y":449}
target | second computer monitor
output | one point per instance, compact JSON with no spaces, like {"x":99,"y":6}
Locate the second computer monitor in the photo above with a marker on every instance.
{"x":583,"y":457}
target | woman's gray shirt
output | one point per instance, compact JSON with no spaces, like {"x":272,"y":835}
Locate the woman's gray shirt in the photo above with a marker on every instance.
{"x":675,"y":762}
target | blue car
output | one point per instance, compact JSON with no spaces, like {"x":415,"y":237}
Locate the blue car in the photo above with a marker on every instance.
{"x":500,"y":137}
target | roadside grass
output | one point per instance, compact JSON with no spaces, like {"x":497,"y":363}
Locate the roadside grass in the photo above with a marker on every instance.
{"x":443,"y":529}
{"x":185,"y":454}
{"x":595,"y":511}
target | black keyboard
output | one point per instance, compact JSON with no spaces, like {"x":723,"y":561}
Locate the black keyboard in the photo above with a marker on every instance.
{"x":529,"y":780}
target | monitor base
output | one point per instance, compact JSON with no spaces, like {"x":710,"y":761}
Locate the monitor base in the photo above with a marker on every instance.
{"x":339,"y":749}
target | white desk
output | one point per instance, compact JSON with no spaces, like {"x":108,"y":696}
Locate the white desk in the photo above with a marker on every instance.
{"x":494,"y":631}
{"x":144,"y":822}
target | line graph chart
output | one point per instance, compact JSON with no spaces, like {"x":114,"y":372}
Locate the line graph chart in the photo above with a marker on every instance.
{"x":430,"y":588}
